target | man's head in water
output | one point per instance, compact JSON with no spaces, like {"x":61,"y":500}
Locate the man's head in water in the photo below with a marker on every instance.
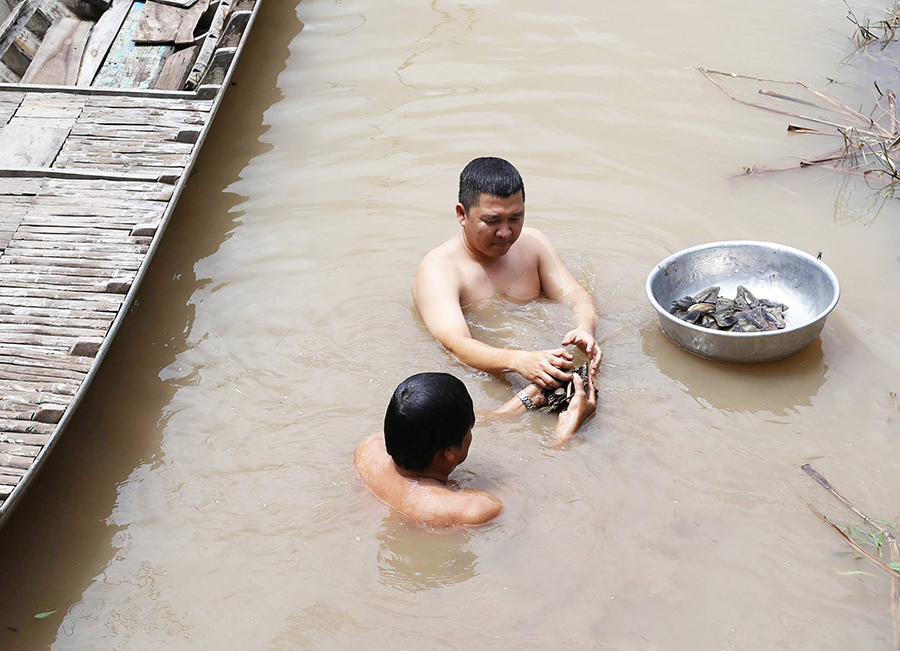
{"x":491,"y":208}
{"x":428,"y":424}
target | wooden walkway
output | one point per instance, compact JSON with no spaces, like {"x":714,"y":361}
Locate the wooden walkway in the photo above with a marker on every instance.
{"x":88,"y":180}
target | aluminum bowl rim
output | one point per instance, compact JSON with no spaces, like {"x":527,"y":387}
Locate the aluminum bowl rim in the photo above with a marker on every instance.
{"x":744,"y":335}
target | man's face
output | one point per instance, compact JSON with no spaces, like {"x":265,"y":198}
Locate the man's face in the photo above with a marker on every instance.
{"x":491,"y":227}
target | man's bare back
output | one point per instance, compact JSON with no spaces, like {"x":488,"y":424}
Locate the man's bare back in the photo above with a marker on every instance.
{"x":494,"y":255}
{"x":425,"y":500}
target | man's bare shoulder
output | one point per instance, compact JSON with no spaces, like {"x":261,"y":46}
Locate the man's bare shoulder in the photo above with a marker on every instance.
{"x":534,"y":238}
{"x":425,"y":501}
{"x":441,"y":267}
{"x":447,"y":254}
{"x":448,"y":507}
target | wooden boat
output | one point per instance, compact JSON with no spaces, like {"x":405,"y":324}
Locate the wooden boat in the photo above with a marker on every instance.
{"x":104,"y":105}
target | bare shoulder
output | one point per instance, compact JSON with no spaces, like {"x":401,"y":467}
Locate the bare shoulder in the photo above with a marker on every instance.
{"x":536,"y":239}
{"x":440,"y":266}
{"x":479,"y":507}
{"x":369,"y":456}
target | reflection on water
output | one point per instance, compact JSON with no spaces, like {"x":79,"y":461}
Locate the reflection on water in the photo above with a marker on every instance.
{"x":412,"y":559}
{"x":776,"y":387}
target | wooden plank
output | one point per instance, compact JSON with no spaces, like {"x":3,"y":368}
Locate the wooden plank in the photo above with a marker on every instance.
{"x":209,"y":44}
{"x":101,"y":39}
{"x":9,"y":480}
{"x":8,"y":108}
{"x":17,"y":310}
{"x":86,"y":246}
{"x":15,"y":431}
{"x":20,"y":187}
{"x":36,"y":357}
{"x":142,"y":117}
{"x":169,"y":104}
{"x":137,"y":202}
{"x":16,"y":472}
{"x":179,"y":3}
{"x":164,"y":23}
{"x":99,"y":322}
{"x":15,"y":22}
{"x":68,"y":263}
{"x":30,"y":146}
{"x":74,"y":158}
{"x":73,"y":229}
{"x":13,"y":461}
{"x":118,"y":145}
{"x":129,"y":65}
{"x":19,"y":449}
{"x":62,"y":295}
{"x":177,"y":68}
{"x":129,"y":132}
{"x":59,"y":57}
{"x":40,"y":105}
{"x":55,"y":123}
{"x":40,"y":372}
{"x":125,"y":168}
{"x":111,"y":239}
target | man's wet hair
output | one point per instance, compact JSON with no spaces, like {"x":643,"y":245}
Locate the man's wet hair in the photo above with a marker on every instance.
{"x":488,"y":175}
{"x":428,"y":412}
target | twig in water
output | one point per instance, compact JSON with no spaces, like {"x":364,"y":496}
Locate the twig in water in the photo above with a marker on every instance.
{"x":893,"y":548}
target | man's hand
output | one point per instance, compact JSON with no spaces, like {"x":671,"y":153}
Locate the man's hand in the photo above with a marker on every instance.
{"x":580,"y":407}
{"x":546,"y":368}
{"x":585,"y":340}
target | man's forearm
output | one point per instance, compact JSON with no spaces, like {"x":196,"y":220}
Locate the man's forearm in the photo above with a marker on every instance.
{"x":483,"y":357}
{"x":585,"y":311}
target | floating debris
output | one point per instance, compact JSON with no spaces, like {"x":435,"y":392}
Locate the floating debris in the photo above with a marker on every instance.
{"x":745,"y":313}
{"x":558,"y":399}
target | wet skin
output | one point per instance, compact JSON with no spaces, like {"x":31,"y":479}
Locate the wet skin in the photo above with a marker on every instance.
{"x":495,"y":255}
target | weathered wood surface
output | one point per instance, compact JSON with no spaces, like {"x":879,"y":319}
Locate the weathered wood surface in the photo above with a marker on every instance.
{"x":15,"y":22}
{"x":30,"y":146}
{"x":177,"y":68}
{"x":102,"y":37}
{"x":59,"y":58}
{"x":84,"y":187}
{"x":129,"y":65}
{"x":210,"y":42}
{"x":163,"y":23}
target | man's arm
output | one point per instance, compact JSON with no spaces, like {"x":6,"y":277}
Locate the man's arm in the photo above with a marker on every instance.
{"x":559,"y":285}
{"x":436,"y":293}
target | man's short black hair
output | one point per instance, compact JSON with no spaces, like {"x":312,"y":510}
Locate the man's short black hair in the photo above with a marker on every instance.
{"x":488,"y":175}
{"x":428,"y":412}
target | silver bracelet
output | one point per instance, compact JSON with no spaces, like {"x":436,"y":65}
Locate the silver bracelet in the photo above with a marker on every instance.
{"x":525,"y":398}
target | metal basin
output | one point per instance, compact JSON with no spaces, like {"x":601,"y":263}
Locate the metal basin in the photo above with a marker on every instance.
{"x":780,"y":273}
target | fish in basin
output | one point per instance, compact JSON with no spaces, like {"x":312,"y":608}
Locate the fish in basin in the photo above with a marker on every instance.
{"x":744,"y":313}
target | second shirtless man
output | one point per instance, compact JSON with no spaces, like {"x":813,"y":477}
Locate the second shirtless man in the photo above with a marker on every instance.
{"x":494,"y":255}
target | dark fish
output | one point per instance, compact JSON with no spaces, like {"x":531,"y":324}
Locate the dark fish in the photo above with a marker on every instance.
{"x":558,"y":399}
{"x":758,"y":319}
{"x":744,"y":296}
{"x":708,"y":295}
{"x":773,"y":315}
{"x":724,"y":319}
{"x":683,"y":303}
{"x":703,"y":308}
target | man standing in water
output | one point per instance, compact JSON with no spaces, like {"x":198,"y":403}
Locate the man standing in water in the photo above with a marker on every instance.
{"x":495,"y":256}
{"x":427,"y":434}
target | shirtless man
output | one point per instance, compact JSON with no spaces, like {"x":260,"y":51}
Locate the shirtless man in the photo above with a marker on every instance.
{"x":427,"y":433}
{"x":495,"y":256}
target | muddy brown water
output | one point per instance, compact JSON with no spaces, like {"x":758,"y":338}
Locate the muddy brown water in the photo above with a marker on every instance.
{"x":204,"y":496}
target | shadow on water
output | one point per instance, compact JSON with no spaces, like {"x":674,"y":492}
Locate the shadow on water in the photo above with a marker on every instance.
{"x":775,"y":387}
{"x":412,"y":559}
{"x":59,"y":539}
